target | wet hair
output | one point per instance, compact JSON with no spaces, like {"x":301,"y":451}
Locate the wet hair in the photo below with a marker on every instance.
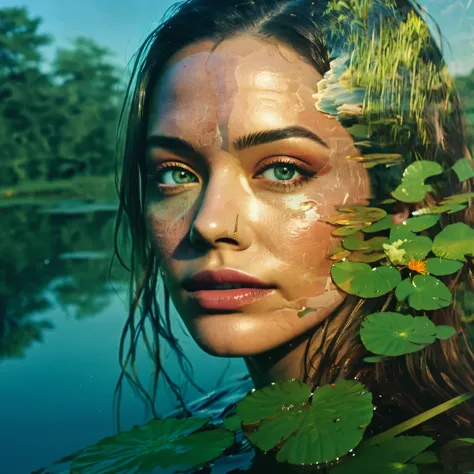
{"x":412,"y":382}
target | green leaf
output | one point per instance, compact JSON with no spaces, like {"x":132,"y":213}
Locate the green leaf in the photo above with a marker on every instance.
{"x":328,"y":428}
{"x":458,"y":198}
{"x":357,"y":215}
{"x":413,"y":187}
{"x":418,"y":224}
{"x":454,"y":242}
{"x":382,"y":224}
{"x":424,"y":292}
{"x":416,"y":246}
{"x":417,"y":420}
{"x":463,"y":169}
{"x":386,"y":457}
{"x":362,"y":280}
{"x":441,"y":266}
{"x":445,"y":332}
{"x":365,"y":257}
{"x":161,"y":443}
{"x":449,"y":208}
{"x":356,"y":242}
{"x":428,"y":457}
{"x":394,"y":334}
{"x":346,"y":230}
{"x":232,"y":423}
{"x":373,"y":359}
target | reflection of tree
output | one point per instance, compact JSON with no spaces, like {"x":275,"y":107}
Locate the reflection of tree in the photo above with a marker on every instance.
{"x":465,"y":86}
{"x":31,"y":248}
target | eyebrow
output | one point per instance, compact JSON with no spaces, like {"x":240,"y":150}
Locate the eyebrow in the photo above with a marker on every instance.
{"x":247,"y":141}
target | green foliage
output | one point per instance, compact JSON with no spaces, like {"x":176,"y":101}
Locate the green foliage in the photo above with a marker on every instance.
{"x":395,"y":334}
{"x":362,"y":280}
{"x":387,"y":457}
{"x":424,"y":292}
{"x":57,"y":124}
{"x":413,"y":187}
{"x":441,"y":266}
{"x":454,"y":242}
{"x":463,"y":169}
{"x":164,"y":443}
{"x":321,"y":431}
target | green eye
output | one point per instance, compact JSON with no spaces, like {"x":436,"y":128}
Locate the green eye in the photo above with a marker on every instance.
{"x":281,"y":172}
{"x":170,"y":177}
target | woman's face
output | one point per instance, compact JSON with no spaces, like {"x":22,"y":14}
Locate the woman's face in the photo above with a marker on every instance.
{"x":235,"y":132}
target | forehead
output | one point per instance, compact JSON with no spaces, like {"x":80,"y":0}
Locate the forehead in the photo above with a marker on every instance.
{"x":240,"y":83}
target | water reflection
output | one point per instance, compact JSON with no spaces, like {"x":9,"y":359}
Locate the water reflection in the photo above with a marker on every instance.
{"x":51,"y":250}
{"x":60,"y":323}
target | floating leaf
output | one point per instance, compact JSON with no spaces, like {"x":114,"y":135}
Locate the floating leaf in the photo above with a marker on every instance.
{"x":322,"y":431}
{"x":232,"y":423}
{"x":365,"y":257}
{"x":441,"y":266}
{"x":373,"y":359}
{"x":382,"y":224}
{"x":161,"y":443}
{"x":357,"y":215}
{"x":387,"y":457}
{"x":449,"y":208}
{"x":424,"y":292}
{"x":356,"y":242}
{"x":346,"y":230}
{"x":463,"y":169}
{"x":417,"y":224}
{"x":413,"y":187}
{"x":369,"y":160}
{"x":458,"y":198}
{"x":394,"y":334}
{"x":428,"y":457}
{"x":362,"y":280}
{"x":454,"y":242}
{"x":445,"y":332}
{"x":416,"y":246}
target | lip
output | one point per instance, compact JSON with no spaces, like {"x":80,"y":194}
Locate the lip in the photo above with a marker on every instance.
{"x":201,"y":288}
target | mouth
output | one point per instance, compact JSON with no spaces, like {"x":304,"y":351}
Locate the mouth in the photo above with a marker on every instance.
{"x":226,"y":289}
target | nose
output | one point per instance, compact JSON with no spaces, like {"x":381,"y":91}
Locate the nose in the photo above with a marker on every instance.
{"x":222,"y":218}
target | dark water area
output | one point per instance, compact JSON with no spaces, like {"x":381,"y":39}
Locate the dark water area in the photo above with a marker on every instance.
{"x":61,"y":320}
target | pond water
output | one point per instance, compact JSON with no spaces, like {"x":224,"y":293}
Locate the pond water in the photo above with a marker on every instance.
{"x":61,"y":320}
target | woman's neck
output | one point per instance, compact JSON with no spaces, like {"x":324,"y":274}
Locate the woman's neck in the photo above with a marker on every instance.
{"x":288,"y":360}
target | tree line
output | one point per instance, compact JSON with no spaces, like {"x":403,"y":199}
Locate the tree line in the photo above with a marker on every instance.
{"x":61,"y":123}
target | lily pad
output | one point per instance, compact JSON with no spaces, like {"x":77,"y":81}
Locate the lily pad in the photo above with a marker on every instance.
{"x":395,"y":334}
{"x":366,"y":257}
{"x":454,"y":242}
{"x":413,"y":187}
{"x":441,"y":266}
{"x":445,"y":332}
{"x":416,"y":246}
{"x":382,"y":224}
{"x":418,"y":224}
{"x":346,"y":230}
{"x":362,"y":280}
{"x":356,"y":242}
{"x":373,"y":359}
{"x":463,"y":169}
{"x":424,"y":292}
{"x":448,"y":208}
{"x":232,"y":423}
{"x":162,"y":443}
{"x":458,"y":198}
{"x":322,"y":431}
{"x":387,"y":457}
{"x":357,"y":215}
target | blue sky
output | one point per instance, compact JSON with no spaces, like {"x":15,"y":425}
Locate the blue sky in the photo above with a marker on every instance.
{"x":123,"y":24}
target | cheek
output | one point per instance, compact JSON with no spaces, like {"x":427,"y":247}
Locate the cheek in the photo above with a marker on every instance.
{"x":166,"y":229}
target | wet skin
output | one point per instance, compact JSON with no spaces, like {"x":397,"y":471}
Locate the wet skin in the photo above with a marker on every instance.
{"x":215,"y":101}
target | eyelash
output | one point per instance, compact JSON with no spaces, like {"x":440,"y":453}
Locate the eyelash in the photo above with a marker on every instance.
{"x":288,"y":185}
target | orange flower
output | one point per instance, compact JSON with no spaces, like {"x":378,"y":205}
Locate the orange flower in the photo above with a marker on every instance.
{"x":418,"y":266}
